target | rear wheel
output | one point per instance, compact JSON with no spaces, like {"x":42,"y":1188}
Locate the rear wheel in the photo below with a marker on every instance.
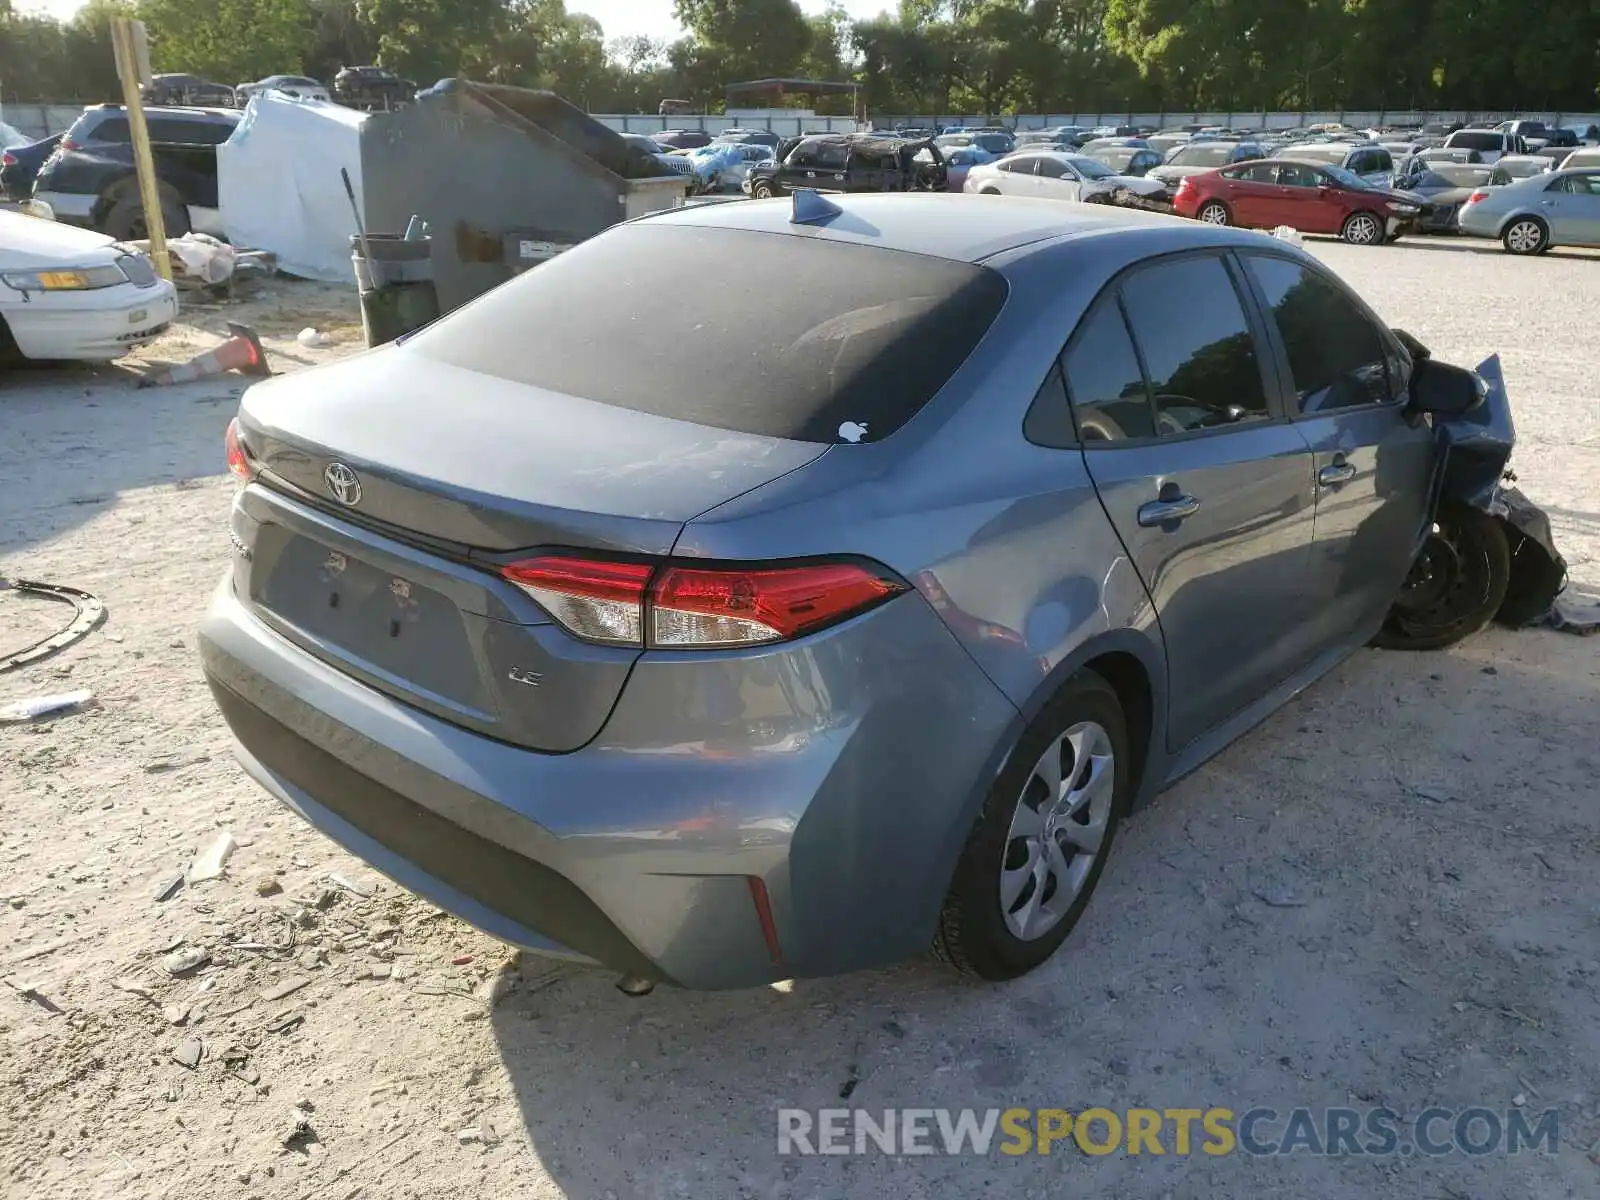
{"x":1526,"y":235}
{"x":126,"y":221}
{"x":989,"y":191}
{"x":1215,"y":212}
{"x":1362,"y":229}
{"x":762,"y":190}
{"x":1456,"y":585}
{"x":1042,"y":839}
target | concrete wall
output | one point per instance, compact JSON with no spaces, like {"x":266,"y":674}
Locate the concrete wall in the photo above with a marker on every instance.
{"x":40,"y":120}
{"x":1257,"y":120}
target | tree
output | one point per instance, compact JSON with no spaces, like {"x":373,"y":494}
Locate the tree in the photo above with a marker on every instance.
{"x":231,"y":41}
{"x":748,"y":39}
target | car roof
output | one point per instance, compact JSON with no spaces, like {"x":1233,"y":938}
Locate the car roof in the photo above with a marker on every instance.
{"x":163,"y":110}
{"x":943,"y":224}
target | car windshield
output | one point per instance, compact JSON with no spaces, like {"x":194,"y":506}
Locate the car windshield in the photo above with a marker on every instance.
{"x":1117,"y":159}
{"x":1450,"y":175}
{"x":1212,"y":154}
{"x":1346,"y":179}
{"x":855,"y":334}
{"x":1089,"y":168}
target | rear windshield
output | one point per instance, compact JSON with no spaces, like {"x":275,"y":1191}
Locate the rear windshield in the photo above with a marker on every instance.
{"x":1476,"y":141}
{"x":804,"y":337}
{"x":1214,"y":155}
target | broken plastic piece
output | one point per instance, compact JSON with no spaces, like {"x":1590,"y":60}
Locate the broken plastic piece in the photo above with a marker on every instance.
{"x":208,"y":863}
{"x":89,"y":611}
{"x":41,"y":706}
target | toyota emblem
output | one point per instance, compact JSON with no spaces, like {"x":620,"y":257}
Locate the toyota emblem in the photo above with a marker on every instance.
{"x":342,"y":482}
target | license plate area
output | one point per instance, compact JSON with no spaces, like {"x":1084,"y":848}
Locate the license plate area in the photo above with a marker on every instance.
{"x":383,"y":623}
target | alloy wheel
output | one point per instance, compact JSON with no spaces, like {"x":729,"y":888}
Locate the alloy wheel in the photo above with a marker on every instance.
{"x":1058,"y":830}
{"x":1214,"y":214}
{"x":1362,"y":230}
{"x":1524,"y":237}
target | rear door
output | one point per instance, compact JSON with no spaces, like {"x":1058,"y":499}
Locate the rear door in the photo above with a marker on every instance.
{"x":1019,"y":175}
{"x":1343,"y":375}
{"x":1208,"y":485}
{"x":1252,"y":193}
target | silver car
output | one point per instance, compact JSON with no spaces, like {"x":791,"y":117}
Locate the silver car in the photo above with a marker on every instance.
{"x":1556,"y":208}
{"x":795,"y":624}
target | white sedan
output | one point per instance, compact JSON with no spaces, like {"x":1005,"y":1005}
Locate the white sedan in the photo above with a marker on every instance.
{"x":1056,"y":174}
{"x":69,"y":293}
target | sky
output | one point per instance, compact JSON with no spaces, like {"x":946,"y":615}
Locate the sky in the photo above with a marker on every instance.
{"x":616,"y":17}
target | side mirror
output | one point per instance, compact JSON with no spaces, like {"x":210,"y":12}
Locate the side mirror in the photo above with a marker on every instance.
{"x":1445,"y":390}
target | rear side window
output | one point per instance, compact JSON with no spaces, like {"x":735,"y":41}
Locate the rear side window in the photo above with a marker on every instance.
{"x":178,"y":132}
{"x":1109,"y":400}
{"x":1476,"y":141}
{"x":1335,"y":353}
{"x":112,"y":129}
{"x":1201,"y":359}
{"x":854,"y":334}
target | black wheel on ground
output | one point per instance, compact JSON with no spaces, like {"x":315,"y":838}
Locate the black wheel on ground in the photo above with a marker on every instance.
{"x":125,"y":221}
{"x":1363,"y":229}
{"x":1042,"y":838}
{"x":1526,"y":235}
{"x":762,"y":190}
{"x":1456,"y":585}
{"x":1214,"y":212}
{"x":988,"y":191}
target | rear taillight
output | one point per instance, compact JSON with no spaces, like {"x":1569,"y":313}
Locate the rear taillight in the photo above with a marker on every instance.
{"x":1477,"y":196}
{"x":597,"y":600}
{"x":69,"y":144}
{"x":238,"y":460}
{"x":8,"y":159}
{"x":690,"y":605}
{"x":1186,"y":184}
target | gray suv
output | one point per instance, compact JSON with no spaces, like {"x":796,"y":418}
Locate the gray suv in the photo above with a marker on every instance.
{"x":837,"y":611}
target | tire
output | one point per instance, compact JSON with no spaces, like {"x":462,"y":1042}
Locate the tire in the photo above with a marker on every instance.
{"x":1363,"y":229}
{"x":1526,"y":235}
{"x":985,"y":931}
{"x":1455,"y":587}
{"x":989,"y":191}
{"x":762,"y":190}
{"x":125,"y":220}
{"x":1214,"y":212}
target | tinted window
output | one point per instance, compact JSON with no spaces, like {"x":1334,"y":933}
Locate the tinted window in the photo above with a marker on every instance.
{"x":1053,"y":168}
{"x":1201,"y":358}
{"x":1476,"y":141}
{"x":112,"y":129}
{"x":1294,"y":175}
{"x":1020,"y":164}
{"x":1582,"y":185}
{"x":1254,"y":173}
{"x":854,"y":334}
{"x":1335,"y":353}
{"x":194,"y":133}
{"x":1109,"y":400}
{"x":1048,"y":422}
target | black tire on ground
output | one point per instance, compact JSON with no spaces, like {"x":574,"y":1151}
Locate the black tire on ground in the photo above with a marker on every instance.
{"x":1363,"y":229}
{"x":973,"y":934}
{"x":1455,"y":587}
{"x":125,"y":221}
{"x":989,"y":191}
{"x":1526,"y":235}
{"x":1214,"y":212}
{"x":762,"y":190}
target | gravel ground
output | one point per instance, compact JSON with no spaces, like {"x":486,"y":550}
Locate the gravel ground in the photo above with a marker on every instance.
{"x":1389,"y":894}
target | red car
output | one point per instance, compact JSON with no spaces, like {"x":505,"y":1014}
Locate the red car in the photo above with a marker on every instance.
{"x":1308,"y":196}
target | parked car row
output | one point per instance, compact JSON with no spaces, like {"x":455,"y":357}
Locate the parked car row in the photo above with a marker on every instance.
{"x":358,"y":87}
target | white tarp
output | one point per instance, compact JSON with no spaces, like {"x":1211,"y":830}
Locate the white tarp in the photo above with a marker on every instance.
{"x":278,"y":183}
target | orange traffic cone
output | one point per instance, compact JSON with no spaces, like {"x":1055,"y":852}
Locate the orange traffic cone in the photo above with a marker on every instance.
{"x":242,"y":352}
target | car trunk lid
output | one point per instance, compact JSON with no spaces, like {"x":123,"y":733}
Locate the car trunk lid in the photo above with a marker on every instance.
{"x":394,"y":484}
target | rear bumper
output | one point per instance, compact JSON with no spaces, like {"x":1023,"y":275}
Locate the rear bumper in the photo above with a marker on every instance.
{"x":842,"y":772}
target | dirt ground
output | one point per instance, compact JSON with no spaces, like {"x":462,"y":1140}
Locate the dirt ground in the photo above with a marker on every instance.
{"x":1388,"y":894}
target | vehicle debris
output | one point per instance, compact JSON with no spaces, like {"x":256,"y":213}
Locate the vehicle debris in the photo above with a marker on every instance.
{"x":189,"y":1053}
{"x":285,"y":1021}
{"x":286,"y":988}
{"x":180,"y":962}
{"x":347,"y":885}
{"x":42,"y":706}
{"x":169,"y":888}
{"x":88,"y":612}
{"x":209,"y":862}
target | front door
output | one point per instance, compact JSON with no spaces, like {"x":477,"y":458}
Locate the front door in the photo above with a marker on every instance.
{"x":1572,"y":206}
{"x":1372,"y":464}
{"x":1207,"y":485}
{"x":1304,"y":200}
{"x":1252,"y":190}
{"x":1019,"y":175}
{"x":1057,"y":180}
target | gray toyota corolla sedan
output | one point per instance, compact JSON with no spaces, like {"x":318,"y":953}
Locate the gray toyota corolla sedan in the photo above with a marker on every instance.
{"x":840,"y":608}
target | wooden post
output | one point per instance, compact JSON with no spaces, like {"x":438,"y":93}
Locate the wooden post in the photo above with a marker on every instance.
{"x":125,"y":40}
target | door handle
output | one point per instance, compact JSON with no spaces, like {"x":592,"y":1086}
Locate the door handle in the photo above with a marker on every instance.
{"x":1548,"y":203}
{"x":1336,"y":473}
{"x":1174,"y":508}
